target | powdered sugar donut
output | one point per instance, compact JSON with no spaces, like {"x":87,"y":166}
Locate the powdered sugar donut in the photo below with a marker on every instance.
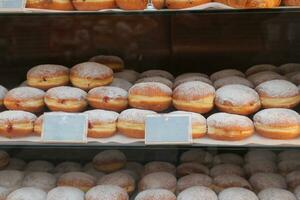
{"x":191,"y":168}
{"x":4,"y":192}
{"x":158,"y":180}
{"x":237,"y":193}
{"x":197,"y":192}
{"x":225,"y":181}
{"x":40,"y":180}
{"x":157,"y":79}
{"x":197,"y":156}
{"x":276,"y":194}
{"x":39,"y":166}
{"x":109,"y":160}
{"x":277,"y":123}
{"x":129,"y":75}
{"x":155,"y":194}
{"x":190,"y":79}
{"x":278,"y":94}
{"x":260,"y":68}
{"x":261,"y":181}
{"x":224,"y":73}
{"x":15,"y":164}
{"x":226,"y":169}
{"x":237,"y":99}
{"x":258,"y":166}
{"x":67,"y":166}
{"x":25,"y":98}
{"x":114,"y":62}
{"x":260,"y":155}
{"x":287,"y":166}
{"x":157,"y":72}
{"x":289,"y":155}
{"x":65,"y":193}
{"x":193,"y":180}
{"x":106,"y":192}
{"x":27,"y":193}
{"x":11,"y":179}
{"x":3,"y":92}
{"x":264,"y":76}
{"x":121,"y":83}
{"x":293,"y":179}
{"x":186,"y":75}
{"x":229,"y":80}
{"x":291,"y":74}
{"x":289,"y":67}
{"x":228,"y":158}
{"x":159,"y":166}
{"x":224,"y":126}
{"x":79,"y":180}
{"x":65,"y":98}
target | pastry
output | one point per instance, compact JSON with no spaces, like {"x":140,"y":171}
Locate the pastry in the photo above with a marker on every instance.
{"x":158,"y":166}
{"x":40,"y":4}
{"x":260,"y":155}
{"x":27,"y":193}
{"x":293,"y":179}
{"x":276,"y":194}
{"x":261,"y":181}
{"x":80,"y":180}
{"x":190,"y":79}
{"x":114,"y":62}
{"x":157,"y":72}
{"x":105,"y":192}
{"x":229,"y":80}
{"x":196,"y":192}
{"x":289,"y":67}
{"x":228,"y":158}
{"x":237,"y":193}
{"x":264,"y":76}
{"x":191,"y":180}
{"x":225,"y":73}
{"x":109,"y":161}
{"x":4,"y":159}
{"x":191,"y":74}
{"x":15,"y":164}
{"x":93,"y":5}
{"x":223,"y":169}
{"x":158,"y":180}
{"x":260,"y":68}
{"x":158,"y":79}
{"x":3,"y":92}
{"x":61,"y":5}
{"x":65,"y":193}
{"x":40,"y":180}
{"x":155,"y":194}
{"x":39,"y":166}
{"x":251,"y":3}
{"x":11,"y":179}
{"x":177,"y":4}
{"x":127,"y":74}
{"x":121,"y":83}
{"x":191,"y":168}
{"x":258,"y":166}
{"x":225,"y":181}
{"x":67,"y":166}
{"x":197,"y":156}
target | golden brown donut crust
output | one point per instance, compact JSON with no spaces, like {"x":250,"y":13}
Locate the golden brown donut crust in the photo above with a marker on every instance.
{"x":91,"y":5}
{"x":113,"y":62}
{"x":109,"y":161}
{"x":79,"y":180}
{"x":251,"y":3}
{"x":61,"y":5}
{"x":43,"y":4}
{"x":132,"y":4}
{"x":179,"y":4}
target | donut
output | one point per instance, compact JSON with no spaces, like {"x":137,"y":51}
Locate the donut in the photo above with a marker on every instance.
{"x":158,"y":180}
{"x":224,"y":73}
{"x":289,"y":155}
{"x":25,"y":98}
{"x":276,"y":194}
{"x":293,"y":179}
{"x":109,"y":161}
{"x":158,"y":166}
{"x":199,"y":127}
{"x":229,"y":80}
{"x":121,"y":83}
{"x":287,"y":166}
{"x":196,"y":192}
{"x":264,"y":166}
{"x":291,"y":74}
{"x":278,"y":94}
{"x":114,"y":62}
{"x":65,"y":193}
{"x":197,"y":156}
{"x":89,"y":75}
{"x":136,"y":167}
{"x":260,"y":155}
{"x":48,"y":76}
{"x":101,"y":123}
{"x":223,"y":169}
{"x":41,"y":4}
{"x":191,"y":168}
{"x":131,"y":4}
{"x":4,"y":159}
{"x":190,"y":79}
{"x":11,"y":179}
{"x":228,"y":158}
{"x":260,"y":68}
{"x":261,"y":181}
{"x":40,"y":180}
{"x":295,"y":78}
{"x":193,"y":180}
{"x":237,"y":99}
{"x":289,"y":67}
{"x":237,"y":193}
{"x":93,"y":172}
{"x":157,"y":79}
{"x":151,"y":96}
{"x":177,"y":4}
{"x":15,"y":164}
{"x":194,"y":96}
{"x":291,"y":2}
{"x":127,"y":74}
{"x":66,"y":99}
{"x":155,"y":194}
{"x":131,"y":122}
{"x":225,"y":181}
{"x":4,"y":192}
{"x":80,"y":180}
{"x":39,"y":166}
{"x":61,"y":5}
{"x":27,"y":193}
{"x":3,"y":92}
{"x":131,"y":173}
{"x":231,"y":127}
{"x":92,"y":5}
{"x":16,"y":123}
{"x":120,"y":179}
{"x":264,"y":76}
{"x":105,"y":192}
{"x":297,"y":192}
{"x":277,"y":123}
{"x":67,"y":166}
{"x":190,"y":74}
{"x":157,"y":72}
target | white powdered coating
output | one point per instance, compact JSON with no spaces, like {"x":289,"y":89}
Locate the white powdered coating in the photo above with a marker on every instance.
{"x":237,"y":193}
{"x":232,"y":80}
{"x":228,"y":158}
{"x":102,"y":116}
{"x":121,"y":83}
{"x":260,"y":68}
{"x":225,"y":120}
{"x":193,"y":180}
{"x":91,"y":70}
{"x":277,"y":88}
{"x":236,"y":95}
{"x":158,"y":79}
{"x":257,"y":166}
{"x":109,"y":91}
{"x":4,"y":192}
{"x":159,"y":166}
{"x":106,"y":192}
{"x":261,"y":181}
{"x":275,"y":116}
{"x":185,"y":75}
{"x":197,"y":193}
{"x":135,"y":115}
{"x":27,"y":193}
{"x":189,"y":90}
{"x":289,"y":67}
{"x":76,"y":178}
{"x":46,"y":70}
{"x":297,"y":192}
{"x":40,"y":180}
{"x":196,"y":117}
{"x":192,"y":78}
{"x":108,"y":156}
{"x":39,"y":166}
{"x":11,"y":178}
{"x":68,"y":166}
{"x":190,"y":168}
{"x":120,"y":179}
{"x":231,"y":180}
{"x":15,"y":164}
{"x":65,"y":193}
{"x":289,"y":155}
{"x":226,"y":72}
{"x":16,"y":115}
{"x":143,"y":88}
{"x":196,"y":155}
{"x":66,"y":92}
{"x":157,"y":72}
{"x":276,"y":194}
{"x":255,"y":155}
{"x":162,"y":180}
{"x":129,"y":75}
{"x":25,"y":93}
{"x":155,"y":194}
{"x":261,"y":77}
{"x":3,"y":92}
{"x":287,"y":166}
{"x":226,"y":169}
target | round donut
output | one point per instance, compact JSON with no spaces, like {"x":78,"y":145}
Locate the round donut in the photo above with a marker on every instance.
{"x":276,"y":194}
{"x":40,"y":180}
{"x":289,"y":155}
{"x":157,"y":72}
{"x":277,"y":123}
{"x":177,"y":4}
{"x":48,"y":76}
{"x":197,"y":156}
{"x":105,"y":192}
{"x":295,"y":78}
{"x":237,"y":99}
{"x":291,"y":74}
{"x":102,"y":123}
{"x":191,"y":168}
{"x":67,"y":166}
{"x":196,"y":192}
{"x":27,"y":193}
{"x":229,"y":80}
{"x":89,"y":75}
{"x":66,"y":99}
{"x":193,"y":180}
{"x":155,"y":194}
{"x":65,"y":193}
{"x":92,"y":5}
{"x":191,"y":74}
{"x":61,"y":5}
{"x":121,"y":83}
{"x":225,"y":181}
{"x":289,"y":67}
{"x":11,"y":179}
{"x":228,"y":158}
{"x":15,"y":164}
{"x":190,"y":79}
{"x":231,"y":127}
{"x":25,"y":98}
{"x":264,"y":76}
{"x":287,"y":166}
{"x":16,"y":123}
{"x":224,"y":73}
{"x":108,"y":98}
{"x":293,"y":179}
{"x":127,"y":74}
{"x":135,"y":176}
{"x":157,"y":79}
{"x":261,"y":181}
{"x":42,"y":4}
{"x":199,"y":127}
{"x":158,"y":166}
{"x":237,"y":193}
{"x":223,"y":169}
{"x":114,"y":62}
{"x":89,"y":169}
{"x":39,"y":166}
{"x":109,"y":161}
{"x":263,"y":166}
{"x":278,"y":94}
{"x":260,"y":155}
{"x":80,"y":180}
{"x":131,"y":4}
{"x":131,"y":122}
{"x":3,"y":92}
{"x":135,"y":167}
{"x":151,"y":96}
{"x":194,"y":96}
{"x":291,"y":2}
{"x":158,"y":180}
{"x":260,"y":68}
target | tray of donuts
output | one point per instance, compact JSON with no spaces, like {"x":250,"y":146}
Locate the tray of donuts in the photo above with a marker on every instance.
{"x":199,"y":175}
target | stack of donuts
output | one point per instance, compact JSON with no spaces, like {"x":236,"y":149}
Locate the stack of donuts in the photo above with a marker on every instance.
{"x":258,"y":174}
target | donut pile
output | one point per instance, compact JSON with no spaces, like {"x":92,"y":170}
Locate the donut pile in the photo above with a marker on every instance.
{"x":257,"y":175}
{"x":227,"y":105}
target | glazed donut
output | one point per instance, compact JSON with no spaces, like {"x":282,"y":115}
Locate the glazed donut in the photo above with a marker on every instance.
{"x":193,"y":180}
{"x":277,"y":123}
{"x":158,"y":166}
{"x":3,"y":92}
{"x":67,"y":166}
{"x":289,"y":67}
{"x":264,"y":76}
{"x":287,"y":166}
{"x":231,"y":127}
{"x":260,"y":155}
{"x":278,"y":94}
{"x":40,"y":180}
{"x":229,"y":80}
{"x":263,"y":166}
{"x":108,"y":98}
{"x":151,"y":96}
{"x":223,"y":169}
{"x":157,"y":79}
{"x":237,"y":193}
{"x":225,"y":181}
{"x":109,"y":161}
{"x":80,"y":180}
{"x":157,"y":72}
{"x":260,"y":68}
{"x":65,"y":193}
{"x":192,"y":74}
{"x":228,"y":158}
{"x":190,"y":79}
{"x":155,"y":194}
{"x":199,"y":127}
{"x":102,"y":123}
{"x":92,"y":5}
{"x":114,"y":62}
{"x":11,"y":179}
{"x":237,"y":99}
{"x":261,"y":181}
{"x":121,"y":83}
{"x":158,"y":180}
{"x":48,"y":76}
{"x":25,"y":98}
{"x":127,"y":74}
{"x":293,"y":179}
{"x":197,"y":156}
{"x":4,"y":192}
{"x":131,"y":122}
{"x":225,"y":73}
{"x":27,"y":193}
{"x":289,"y":155}
{"x":16,"y":123}
{"x":39,"y":166}
{"x":4,"y":159}
{"x":196,"y":192}
{"x":66,"y":99}
{"x":105,"y":192}
{"x":191,"y":168}
{"x":194,"y":96}
{"x":15,"y":164}
{"x":120,"y":179}
{"x":276,"y":194}
{"x":177,"y":4}
{"x":89,"y":75}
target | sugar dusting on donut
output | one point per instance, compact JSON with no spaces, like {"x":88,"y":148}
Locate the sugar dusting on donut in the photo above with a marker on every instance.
{"x":25,"y":93}
{"x":193,"y":180}
{"x":273,"y":116}
{"x":237,"y":193}
{"x":106,"y":192}
{"x":232,"y":80}
{"x":144,"y":88}
{"x":11,"y":178}
{"x":278,"y":88}
{"x":102,"y":116}
{"x":109,"y":91}
{"x":196,"y":193}
{"x":3,"y":92}
{"x":27,"y":193}
{"x":135,"y":115}
{"x":91,"y":70}
{"x":155,"y":194}
{"x":41,"y":180}
{"x":191,"y":89}
{"x":16,"y":115}
{"x":192,"y":78}
{"x":121,"y":83}
{"x":231,"y":180}
{"x":65,"y":193}
{"x":154,"y":180}
{"x":116,"y":178}
{"x":157,"y":72}
{"x":158,"y":79}
{"x":47,"y":70}
{"x":222,"y":120}
{"x":66,"y":92}
{"x":276,"y":194}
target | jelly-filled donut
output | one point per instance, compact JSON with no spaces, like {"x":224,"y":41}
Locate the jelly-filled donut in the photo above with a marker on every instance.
{"x":197,"y":156}
{"x":191,"y":74}
{"x":260,"y":155}
{"x":228,"y":158}
{"x":276,"y":194}
{"x":258,"y":166}
{"x":193,"y":180}
{"x":42,"y":180}
{"x":80,"y":180}
{"x":191,"y":168}
{"x":15,"y":164}
{"x":261,"y":181}
{"x":93,"y":5}
{"x":229,"y":80}
{"x":293,"y":179}
{"x":65,"y":192}
{"x":3,"y":92}
{"x":237,"y":193}
{"x":157,"y":72}
{"x":11,"y":179}
{"x":190,"y":79}
{"x":114,"y":62}
{"x":105,"y":192}
{"x":67,"y":166}
{"x":289,"y":67}
{"x":39,"y":166}
{"x":223,"y":169}
{"x":158,"y":180}
{"x":224,"y":73}
{"x":109,"y":161}
{"x":127,"y":74}
{"x":196,"y":192}
{"x":27,"y":193}
{"x":121,"y":83}
{"x":157,"y":79}
{"x":260,"y":68}
{"x":155,"y":194}
{"x":159,"y":166}
{"x":264,"y":76}
{"x":225,"y":181}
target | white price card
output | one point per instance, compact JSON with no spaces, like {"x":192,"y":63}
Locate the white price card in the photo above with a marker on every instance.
{"x":168,"y":129}
{"x":12,"y":4}
{"x":64,"y":128}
